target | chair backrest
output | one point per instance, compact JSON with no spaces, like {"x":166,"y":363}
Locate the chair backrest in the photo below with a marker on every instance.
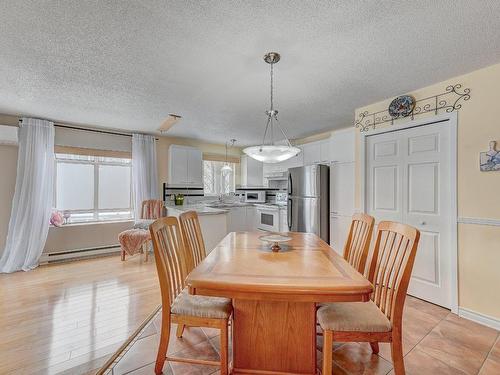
{"x":170,"y":256}
{"x":358,"y":241}
{"x":151,"y":209}
{"x":391,"y":267}
{"x":191,"y":230}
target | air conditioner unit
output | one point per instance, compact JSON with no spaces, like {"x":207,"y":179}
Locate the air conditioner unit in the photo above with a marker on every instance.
{"x":8,"y":135}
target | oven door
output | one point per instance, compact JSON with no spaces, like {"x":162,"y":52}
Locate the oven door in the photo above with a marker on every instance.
{"x":268,"y":220}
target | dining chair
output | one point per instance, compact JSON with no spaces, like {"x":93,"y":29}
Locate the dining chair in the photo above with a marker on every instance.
{"x":380,"y":319}
{"x":191,"y":230}
{"x":358,"y":241}
{"x":178,"y":306}
{"x":151,"y":209}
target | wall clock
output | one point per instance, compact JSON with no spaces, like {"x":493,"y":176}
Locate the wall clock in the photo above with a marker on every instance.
{"x":402,"y":106}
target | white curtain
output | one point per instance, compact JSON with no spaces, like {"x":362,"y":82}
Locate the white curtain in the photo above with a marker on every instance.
{"x":144,"y":170}
{"x":32,"y":203}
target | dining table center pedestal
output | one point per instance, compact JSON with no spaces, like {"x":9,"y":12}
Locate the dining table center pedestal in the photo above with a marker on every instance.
{"x":274,"y":297}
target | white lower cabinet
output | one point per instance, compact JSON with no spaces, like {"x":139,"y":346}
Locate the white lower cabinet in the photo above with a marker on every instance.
{"x":339,"y":229}
{"x":283,"y":220}
{"x":237,"y":217}
{"x":241,"y":219}
{"x":251,"y":219}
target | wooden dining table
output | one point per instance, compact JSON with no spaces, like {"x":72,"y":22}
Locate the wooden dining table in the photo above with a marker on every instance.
{"x":274,"y":297}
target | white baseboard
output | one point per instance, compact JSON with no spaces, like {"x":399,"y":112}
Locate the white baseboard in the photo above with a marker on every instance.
{"x":74,"y":254}
{"x":485,"y":320}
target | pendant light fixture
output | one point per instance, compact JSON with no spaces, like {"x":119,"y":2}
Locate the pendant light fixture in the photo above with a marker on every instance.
{"x":268,"y":151}
{"x":226,"y":168}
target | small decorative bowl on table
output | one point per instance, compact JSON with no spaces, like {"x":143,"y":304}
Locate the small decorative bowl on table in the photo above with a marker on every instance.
{"x":275,"y":240}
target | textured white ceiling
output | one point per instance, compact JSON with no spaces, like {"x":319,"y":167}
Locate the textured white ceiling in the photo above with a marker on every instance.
{"x":127,"y":64}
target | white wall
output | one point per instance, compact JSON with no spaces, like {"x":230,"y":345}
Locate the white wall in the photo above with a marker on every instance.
{"x":8,"y":166}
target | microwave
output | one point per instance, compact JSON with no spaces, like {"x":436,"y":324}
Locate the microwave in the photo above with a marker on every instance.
{"x":255,"y":196}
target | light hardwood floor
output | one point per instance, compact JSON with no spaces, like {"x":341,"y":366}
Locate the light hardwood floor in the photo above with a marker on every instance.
{"x":70,"y":317}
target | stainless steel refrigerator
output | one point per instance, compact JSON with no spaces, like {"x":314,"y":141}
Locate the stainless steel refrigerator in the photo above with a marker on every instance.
{"x":309,"y":200}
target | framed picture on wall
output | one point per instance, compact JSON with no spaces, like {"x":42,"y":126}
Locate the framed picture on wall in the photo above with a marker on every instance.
{"x":490,"y":160}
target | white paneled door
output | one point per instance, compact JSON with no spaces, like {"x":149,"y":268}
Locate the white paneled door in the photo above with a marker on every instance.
{"x":408,"y":180}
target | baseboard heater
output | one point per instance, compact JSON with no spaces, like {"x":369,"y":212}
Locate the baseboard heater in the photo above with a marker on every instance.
{"x":74,"y":254}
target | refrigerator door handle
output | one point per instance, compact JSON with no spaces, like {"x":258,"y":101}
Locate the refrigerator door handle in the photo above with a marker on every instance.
{"x":289,"y":214}
{"x":289,"y":183}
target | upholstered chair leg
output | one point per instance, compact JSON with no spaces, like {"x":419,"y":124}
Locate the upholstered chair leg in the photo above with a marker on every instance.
{"x":397,"y":353}
{"x":164,"y":338}
{"x":224,"y":348}
{"x":374,"y":346}
{"x":327,"y":352}
{"x":123,"y":255}
{"x":180,"y":330}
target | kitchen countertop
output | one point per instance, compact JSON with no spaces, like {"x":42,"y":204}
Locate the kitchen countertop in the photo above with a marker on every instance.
{"x":200,"y":209}
{"x":219,"y":208}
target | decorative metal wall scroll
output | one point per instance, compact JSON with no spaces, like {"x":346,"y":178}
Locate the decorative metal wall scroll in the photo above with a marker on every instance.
{"x":449,"y":101}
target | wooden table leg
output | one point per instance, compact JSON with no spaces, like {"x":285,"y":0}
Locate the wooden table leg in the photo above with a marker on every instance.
{"x":274,"y":337}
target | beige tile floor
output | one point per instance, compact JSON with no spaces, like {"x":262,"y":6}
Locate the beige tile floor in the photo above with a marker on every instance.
{"x":435,"y":342}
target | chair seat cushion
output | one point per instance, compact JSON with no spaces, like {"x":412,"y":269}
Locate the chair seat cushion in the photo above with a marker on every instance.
{"x":201,"y":306}
{"x":353,"y":317}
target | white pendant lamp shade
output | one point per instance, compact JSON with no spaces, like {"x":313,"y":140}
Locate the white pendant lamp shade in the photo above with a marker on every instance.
{"x":226,"y":168}
{"x":271,"y":153}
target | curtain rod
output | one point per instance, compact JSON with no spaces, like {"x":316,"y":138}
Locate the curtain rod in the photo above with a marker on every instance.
{"x":91,"y":130}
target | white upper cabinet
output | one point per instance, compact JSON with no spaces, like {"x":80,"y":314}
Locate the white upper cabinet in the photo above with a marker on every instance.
{"x":317,"y":152}
{"x":339,"y":148}
{"x":312,"y":153}
{"x":324,"y":151}
{"x":251,"y":172}
{"x":195,"y":167}
{"x":342,"y":147}
{"x":185,"y":166}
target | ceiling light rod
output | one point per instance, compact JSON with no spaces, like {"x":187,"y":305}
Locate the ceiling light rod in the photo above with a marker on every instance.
{"x":268,"y":152}
{"x":272,"y":114}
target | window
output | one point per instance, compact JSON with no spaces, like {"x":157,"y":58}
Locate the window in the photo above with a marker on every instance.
{"x":93,"y":188}
{"x":215,"y":181}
